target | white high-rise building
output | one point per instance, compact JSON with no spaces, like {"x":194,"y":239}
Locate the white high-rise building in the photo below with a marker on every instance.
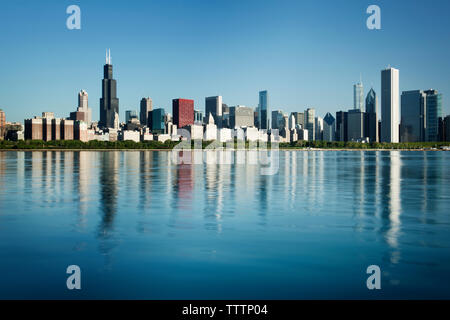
{"x":292,"y":122}
{"x":390,"y":105}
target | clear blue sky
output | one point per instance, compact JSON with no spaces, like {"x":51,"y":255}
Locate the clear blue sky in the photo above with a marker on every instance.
{"x":305,"y":53}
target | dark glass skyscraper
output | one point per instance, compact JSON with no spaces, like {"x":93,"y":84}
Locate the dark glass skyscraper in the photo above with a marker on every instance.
{"x":370,"y":121}
{"x":213,"y":105}
{"x":263,"y":108}
{"x":146,"y":107}
{"x":434,"y":112}
{"x":109,"y":103}
{"x":341,"y":126}
{"x":413,"y":116}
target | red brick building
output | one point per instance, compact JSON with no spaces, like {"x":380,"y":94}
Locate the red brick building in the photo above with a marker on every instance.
{"x":183,"y":112}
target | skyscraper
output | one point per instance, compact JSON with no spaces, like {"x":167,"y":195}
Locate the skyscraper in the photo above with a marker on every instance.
{"x":390,"y":108}
{"x":310,"y":123}
{"x":277,"y":119}
{"x":157,"y":122}
{"x":292,"y":122}
{"x":355,"y":125}
{"x":358,"y":95}
{"x":318,"y":123}
{"x":109,"y":104}
{"x":299,"y":119}
{"x":413,"y":116}
{"x":130,"y":114}
{"x":434,"y":114}
{"x":83,"y":113}
{"x":225,"y":122}
{"x":263,"y":106}
{"x":341,"y":126}
{"x":183,"y":112}
{"x":329,"y":128}
{"x":213,"y":106}
{"x":371,"y":123}
{"x":146,"y":107}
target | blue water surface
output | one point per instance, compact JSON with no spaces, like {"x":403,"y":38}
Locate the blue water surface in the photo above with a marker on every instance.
{"x":143,"y":227}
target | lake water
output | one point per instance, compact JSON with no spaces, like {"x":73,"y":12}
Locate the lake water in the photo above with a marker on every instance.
{"x":141,"y":226}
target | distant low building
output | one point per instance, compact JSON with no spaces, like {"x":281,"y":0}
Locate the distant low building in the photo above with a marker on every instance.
{"x":196,"y":131}
{"x":33,"y":129}
{"x":163,"y":137}
{"x":147,"y":136}
{"x":81,"y":131}
{"x":241,"y":116}
{"x":225,"y":135}
{"x":67,"y":129}
{"x":128,"y":135}
{"x":210,"y":129}
{"x":251,"y":134}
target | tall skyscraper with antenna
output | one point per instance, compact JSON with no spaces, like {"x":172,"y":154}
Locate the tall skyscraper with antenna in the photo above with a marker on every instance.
{"x":358,"y":95}
{"x":109,"y":103}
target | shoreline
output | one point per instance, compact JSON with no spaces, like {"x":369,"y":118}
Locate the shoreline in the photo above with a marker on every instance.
{"x":280,"y":149}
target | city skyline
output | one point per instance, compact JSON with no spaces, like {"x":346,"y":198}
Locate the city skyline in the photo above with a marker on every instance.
{"x":296,"y":78}
{"x":358,"y":124}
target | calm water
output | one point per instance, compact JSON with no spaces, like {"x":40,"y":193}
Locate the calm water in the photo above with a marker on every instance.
{"x":140,"y":226}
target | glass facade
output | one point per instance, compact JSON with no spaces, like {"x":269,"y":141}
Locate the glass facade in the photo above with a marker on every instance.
{"x":263,"y":109}
{"x":310,"y":123}
{"x":130,"y":114}
{"x":158,"y":120}
{"x":329,"y":128}
{"x":358,"y":96}
{"x":434,"y":112}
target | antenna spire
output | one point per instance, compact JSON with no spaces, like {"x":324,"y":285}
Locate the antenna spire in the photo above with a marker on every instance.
{"x":109,"y":56}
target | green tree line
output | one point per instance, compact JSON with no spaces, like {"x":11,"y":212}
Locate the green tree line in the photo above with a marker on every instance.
{"x":76,"y":144}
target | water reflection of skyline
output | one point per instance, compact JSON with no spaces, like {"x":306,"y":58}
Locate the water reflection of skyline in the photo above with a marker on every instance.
{"x":370,"y":185}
